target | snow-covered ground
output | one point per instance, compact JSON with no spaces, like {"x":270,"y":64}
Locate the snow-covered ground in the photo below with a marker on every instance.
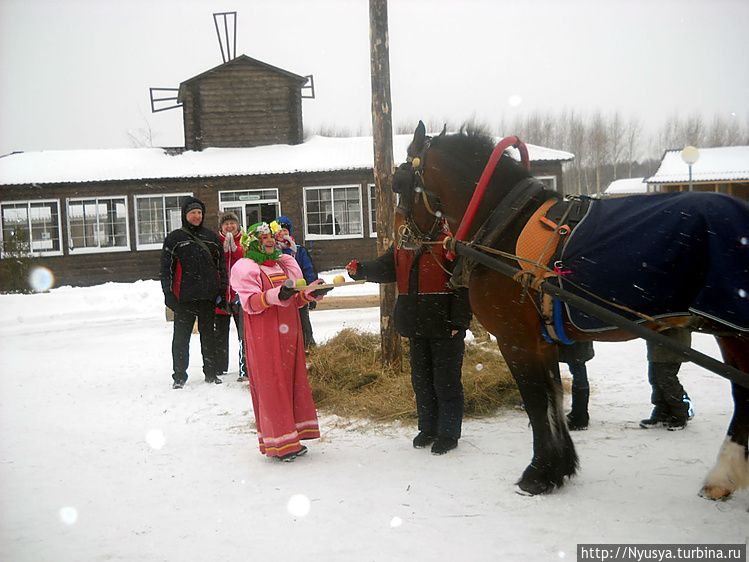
{"x":102,"y":460}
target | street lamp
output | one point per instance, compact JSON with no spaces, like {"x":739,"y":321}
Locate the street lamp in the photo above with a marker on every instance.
{"x":690,"y":155}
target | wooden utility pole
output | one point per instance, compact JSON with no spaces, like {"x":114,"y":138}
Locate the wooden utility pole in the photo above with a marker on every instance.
{"x":382,"y":134}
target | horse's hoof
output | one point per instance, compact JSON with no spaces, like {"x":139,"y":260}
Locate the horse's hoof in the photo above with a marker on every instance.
{"x":715,"y":493}
{"x":534,"y":488}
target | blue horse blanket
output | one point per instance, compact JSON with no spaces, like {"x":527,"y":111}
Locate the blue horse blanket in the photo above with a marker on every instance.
{"x":661,"y":255}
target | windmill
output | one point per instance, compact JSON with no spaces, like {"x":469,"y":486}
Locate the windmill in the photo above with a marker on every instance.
{"x":163,"y":99}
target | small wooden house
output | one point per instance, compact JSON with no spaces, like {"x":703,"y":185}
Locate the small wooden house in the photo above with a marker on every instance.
{"x":722,"y":170}
{"x":242,"y":103}
{"x":96,"y":216}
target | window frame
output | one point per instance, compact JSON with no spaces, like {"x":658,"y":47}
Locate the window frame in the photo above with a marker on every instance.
{"x":28,"y":203}
{"x":98,"y":249}
{"x":313,"y":236}
{"x":372,"y":193}
{"x":234,"y":205}
{"x":544,"y":180}
{"x":143,"y":246}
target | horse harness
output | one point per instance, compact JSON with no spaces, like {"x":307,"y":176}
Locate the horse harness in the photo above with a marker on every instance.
{"x":549,"y":221}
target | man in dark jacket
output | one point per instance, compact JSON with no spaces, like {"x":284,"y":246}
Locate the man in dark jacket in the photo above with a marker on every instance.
{"x":434,"y":317}
{"x":194,"y":280}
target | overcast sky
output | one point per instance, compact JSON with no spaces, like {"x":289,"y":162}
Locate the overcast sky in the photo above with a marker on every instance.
{"x":75,"y":74}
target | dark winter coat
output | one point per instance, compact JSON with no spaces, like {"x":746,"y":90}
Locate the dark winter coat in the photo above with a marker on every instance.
{"x":187,"y":271}
{"x":426,"y":307}
{"x":578,"y":352}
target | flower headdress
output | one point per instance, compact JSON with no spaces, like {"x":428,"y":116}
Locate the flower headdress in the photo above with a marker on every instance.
{"x":250,"y":242}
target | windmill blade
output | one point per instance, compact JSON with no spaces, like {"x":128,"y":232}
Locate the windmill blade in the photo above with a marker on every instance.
{"x":227,"y":34}
{"x":164,"y":98}
{"x":308,"y":89}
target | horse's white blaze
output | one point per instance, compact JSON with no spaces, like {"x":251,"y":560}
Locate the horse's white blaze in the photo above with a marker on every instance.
{"x":731,"y":472}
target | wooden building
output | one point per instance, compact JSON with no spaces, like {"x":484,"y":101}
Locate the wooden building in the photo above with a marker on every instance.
{"x":721,"y":170}
{"x":97,"y":216}
{"x":243,"y":102}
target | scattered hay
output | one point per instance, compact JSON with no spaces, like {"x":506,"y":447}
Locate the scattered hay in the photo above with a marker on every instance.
{"x":348,"y":379}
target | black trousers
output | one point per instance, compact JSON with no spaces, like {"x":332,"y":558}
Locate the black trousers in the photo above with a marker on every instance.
{"x":436,"y":373}
{"x":223,"y":322}
{"x":184,"y":320}
{"x":306,"y":326}
{"x":667,"y":392}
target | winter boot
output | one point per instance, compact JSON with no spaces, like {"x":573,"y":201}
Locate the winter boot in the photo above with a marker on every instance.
{"x":577,"y":419}
{"x":423,"y":439}
{"x":659,"y":418}
{"x":444,"y":444}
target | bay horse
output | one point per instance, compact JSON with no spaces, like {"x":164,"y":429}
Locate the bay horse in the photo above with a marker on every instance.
{"x":434,"y":189}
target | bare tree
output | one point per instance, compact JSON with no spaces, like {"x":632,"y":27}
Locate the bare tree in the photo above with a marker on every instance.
{"x":598,"y":146}
{"x":694,"y":131}
{"x":577,"y":144}
{"x":632,"y":140}
{"x":616,"y":140}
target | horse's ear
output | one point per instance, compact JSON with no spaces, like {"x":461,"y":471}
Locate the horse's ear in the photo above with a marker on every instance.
{"x":444,"y":130}
{"x":420,"y":135}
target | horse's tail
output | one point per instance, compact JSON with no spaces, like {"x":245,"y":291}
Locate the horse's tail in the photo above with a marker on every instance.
{"x":560,"y":434}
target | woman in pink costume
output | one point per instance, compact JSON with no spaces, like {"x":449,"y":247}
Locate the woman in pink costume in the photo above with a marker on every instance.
{"x":274,"y":347}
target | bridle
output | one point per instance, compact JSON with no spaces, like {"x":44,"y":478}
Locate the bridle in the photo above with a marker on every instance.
{"x":408,"y":183}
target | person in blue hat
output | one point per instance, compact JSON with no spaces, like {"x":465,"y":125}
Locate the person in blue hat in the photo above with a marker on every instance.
{"x":286,"y":243}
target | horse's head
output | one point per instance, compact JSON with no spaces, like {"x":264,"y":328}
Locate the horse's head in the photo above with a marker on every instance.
{"x":437,"y":181}
{"x":422,"y":221}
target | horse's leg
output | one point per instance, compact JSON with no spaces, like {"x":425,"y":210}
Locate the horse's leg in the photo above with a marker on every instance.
{"x":497,"y":304}
{"x":731,"y":472}
{"x":540,"y":385}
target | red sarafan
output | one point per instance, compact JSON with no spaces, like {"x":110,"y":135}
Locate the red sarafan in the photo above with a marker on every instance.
{"x":543,"y":269}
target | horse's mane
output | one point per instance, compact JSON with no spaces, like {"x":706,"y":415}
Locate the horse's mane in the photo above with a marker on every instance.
{"x":468,"y":144}
{"x":471,"y":149}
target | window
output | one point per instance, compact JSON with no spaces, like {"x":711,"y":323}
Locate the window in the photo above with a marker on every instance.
{"x":333,"y":212}
{"x":155,"y":217}
{"x":372,"y":210}
{"x":251,"y":206}
{"x":548,"y":181}
{"x":98,"y":224}
{"x":31,"y":227}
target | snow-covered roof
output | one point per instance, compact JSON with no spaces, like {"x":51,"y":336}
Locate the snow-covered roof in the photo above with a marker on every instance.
{"x":626,"y":186}
{"x":317,"y":154}
{"x":728,"y":163}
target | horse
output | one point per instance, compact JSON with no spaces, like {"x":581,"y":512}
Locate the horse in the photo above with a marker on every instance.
{"x":434,"y":188}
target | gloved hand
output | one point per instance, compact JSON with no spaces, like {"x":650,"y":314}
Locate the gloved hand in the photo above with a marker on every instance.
{"x":229,"y":244}
{"x":286,"y":292}
{"x":320,"y":292}
{"x":170,"y":300}
{"x":352,"y":268}
{"x":292,"y":244}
